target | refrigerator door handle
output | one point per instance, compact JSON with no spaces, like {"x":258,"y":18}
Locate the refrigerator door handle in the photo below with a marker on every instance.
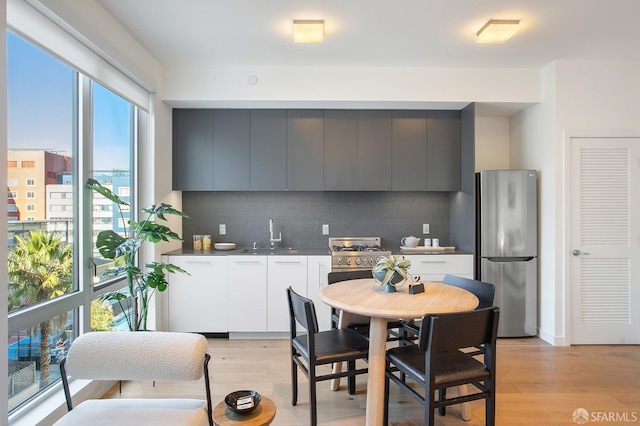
{"x":510,"y":259}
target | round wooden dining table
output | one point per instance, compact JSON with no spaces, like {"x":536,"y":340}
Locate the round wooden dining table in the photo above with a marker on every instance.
{"x":364,"y":297}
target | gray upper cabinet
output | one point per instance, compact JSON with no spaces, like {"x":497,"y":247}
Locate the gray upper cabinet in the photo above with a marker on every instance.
{"x":374,"y":150}
{"x":305,"y":169}
{"x":268,"y":150}
{"x":316,"y":150}
{"x":231,"y":149}
{"x":192,"y":149}
{"x":340,"y":150}
{"x":443,"y":150}
{"x":409,"y":157}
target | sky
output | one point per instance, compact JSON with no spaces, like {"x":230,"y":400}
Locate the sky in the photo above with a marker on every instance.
{"x":40,"y":108}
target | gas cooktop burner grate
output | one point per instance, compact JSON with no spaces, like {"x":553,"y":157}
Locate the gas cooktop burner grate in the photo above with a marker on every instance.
{"x":358,"y":248}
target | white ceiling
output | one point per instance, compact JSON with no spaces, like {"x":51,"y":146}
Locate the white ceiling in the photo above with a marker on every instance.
{"x":380,"y":33}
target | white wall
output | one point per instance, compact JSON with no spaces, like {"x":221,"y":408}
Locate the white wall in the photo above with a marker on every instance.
{"x":533,"y":146}
{"x":492,"y":143}
{"x":591,"y":96}
{"x":577,"y":96}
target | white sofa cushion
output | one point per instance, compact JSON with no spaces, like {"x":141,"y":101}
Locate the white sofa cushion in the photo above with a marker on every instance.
{"x":125,"y":355}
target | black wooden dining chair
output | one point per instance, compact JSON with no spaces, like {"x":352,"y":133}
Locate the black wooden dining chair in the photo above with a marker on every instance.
{"x":485,"y":292}
{"x":317,"y":348}
{"x":356,"y":322}
{"x":437,"y":361}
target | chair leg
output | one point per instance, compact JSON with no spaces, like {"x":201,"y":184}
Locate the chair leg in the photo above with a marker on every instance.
{"x":312,"y":395}
{"x":429,"y":408}
{"x":351,"y":380}
{"x":294,"y":382}
{"x":385,"y":413}
{"x":442,"y":396}
{"x":490,"y":407}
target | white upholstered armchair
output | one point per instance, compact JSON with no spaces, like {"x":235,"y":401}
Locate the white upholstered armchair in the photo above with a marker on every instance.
{"x":137,"y":356}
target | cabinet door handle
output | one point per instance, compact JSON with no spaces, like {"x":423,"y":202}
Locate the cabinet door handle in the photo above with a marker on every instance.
{"x":434,"y":261}
{"x":288,"y":262}
{"x":257,"y":262}
{"x":195,"y":262}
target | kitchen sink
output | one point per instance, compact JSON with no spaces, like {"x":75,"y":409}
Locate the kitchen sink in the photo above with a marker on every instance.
{"x":271,"y":251}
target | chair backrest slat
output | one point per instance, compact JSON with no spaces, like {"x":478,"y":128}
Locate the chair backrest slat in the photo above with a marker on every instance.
{"x":448,"y":332}
{"x":338,"y":276}
{"x":303,"y":311}
{"x":484,"y":291}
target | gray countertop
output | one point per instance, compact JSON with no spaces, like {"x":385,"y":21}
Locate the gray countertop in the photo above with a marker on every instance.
{"x":245,"y":251}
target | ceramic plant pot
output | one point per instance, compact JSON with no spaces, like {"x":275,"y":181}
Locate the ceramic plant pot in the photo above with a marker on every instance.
{"x":390,"y":286}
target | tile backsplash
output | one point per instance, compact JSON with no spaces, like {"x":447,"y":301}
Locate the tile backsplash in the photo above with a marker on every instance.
{"x":299,"y":216}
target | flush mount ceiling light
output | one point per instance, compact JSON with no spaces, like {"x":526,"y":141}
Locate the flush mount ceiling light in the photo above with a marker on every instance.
{"x":498,"y":31}
{"x":308,"y":31}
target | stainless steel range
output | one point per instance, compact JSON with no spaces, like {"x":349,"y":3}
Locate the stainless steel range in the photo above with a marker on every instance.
{"x":355,"y":253}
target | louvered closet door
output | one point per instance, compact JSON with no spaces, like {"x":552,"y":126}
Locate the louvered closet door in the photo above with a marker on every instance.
{"x":605,"y":240}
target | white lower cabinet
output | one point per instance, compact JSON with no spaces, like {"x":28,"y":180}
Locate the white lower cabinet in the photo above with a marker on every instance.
{"x":198,"y":302}
{"x":247,"y":293}
{"x":243,"y":294}
{"x":433,"y":267}
{"x":319,"y":268}
{"x":283,"y":272}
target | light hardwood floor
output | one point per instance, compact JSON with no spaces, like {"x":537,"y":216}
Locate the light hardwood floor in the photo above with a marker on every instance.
{"x":537,"y":384}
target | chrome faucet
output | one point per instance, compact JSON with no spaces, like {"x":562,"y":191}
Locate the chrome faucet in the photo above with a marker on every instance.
{"x":272,"y":240}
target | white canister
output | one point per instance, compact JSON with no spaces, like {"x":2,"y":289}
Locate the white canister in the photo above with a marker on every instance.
{"x":436,"y":242}
{"x":427,"y":242}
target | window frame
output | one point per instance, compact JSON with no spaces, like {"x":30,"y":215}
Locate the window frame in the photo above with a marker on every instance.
{"x":79,"y":299}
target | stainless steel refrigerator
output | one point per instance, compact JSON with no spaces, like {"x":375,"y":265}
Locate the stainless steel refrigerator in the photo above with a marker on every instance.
{"x":508,"y":246}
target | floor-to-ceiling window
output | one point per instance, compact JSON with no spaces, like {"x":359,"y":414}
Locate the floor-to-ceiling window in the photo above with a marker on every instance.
{"x":63,"y":128}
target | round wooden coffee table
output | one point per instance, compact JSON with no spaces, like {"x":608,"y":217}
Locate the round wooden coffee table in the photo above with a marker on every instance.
{"x":263,"y":415}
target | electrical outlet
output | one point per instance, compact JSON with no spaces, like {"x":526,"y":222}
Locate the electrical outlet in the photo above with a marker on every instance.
{"x":425,"y":228}
{"x":325,"y":229}
{"x":223,"y":229}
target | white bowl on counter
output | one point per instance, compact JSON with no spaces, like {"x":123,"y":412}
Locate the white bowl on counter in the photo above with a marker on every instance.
{"x":224,"y":246}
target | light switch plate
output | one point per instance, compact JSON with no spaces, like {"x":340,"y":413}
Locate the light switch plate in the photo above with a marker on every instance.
{"x":425,"y":228}
{"x":223,"y":229}
{"x":325,"y":229}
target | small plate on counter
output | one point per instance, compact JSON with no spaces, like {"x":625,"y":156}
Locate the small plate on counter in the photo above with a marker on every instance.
{"x":224,"y":246}
{"x":427,"y":249}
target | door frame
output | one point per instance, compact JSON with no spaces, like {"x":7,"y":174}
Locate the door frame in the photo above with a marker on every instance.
{"x":565,"y":245}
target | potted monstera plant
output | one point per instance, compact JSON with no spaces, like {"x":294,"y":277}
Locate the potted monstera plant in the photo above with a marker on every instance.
{"x":123,"y":250}
{"x":391,"y":272}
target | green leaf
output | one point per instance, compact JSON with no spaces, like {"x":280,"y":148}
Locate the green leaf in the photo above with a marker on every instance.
{"x":113,"y":296}
{"x":157,"y":280}
{"x":161,"y":209}
{"x":154,"y":232}
{"x":108,"y":242}
{"x":104,"y":191}
{"x":169,"y":267}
